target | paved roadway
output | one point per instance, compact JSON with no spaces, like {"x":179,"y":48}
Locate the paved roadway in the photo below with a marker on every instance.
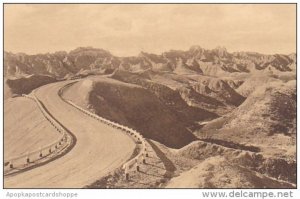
{"x":99,"y":149}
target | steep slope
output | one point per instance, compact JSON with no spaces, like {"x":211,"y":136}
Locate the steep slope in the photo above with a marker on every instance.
{"x":58,"y":64}
{"x":218,"y":89}
{"x":90,"y":58}
{"x":25,"y":128}
{"x":207,"y":93}
{"x":252,"y":83}
{"x":25,"y":85}
{"x":217,"y":172}
{"x":156,"y":116}
{"x":216,"y":62}
{"x":258,"y":79}
{"x":169,"y":97}
{"x":99,"y":148}
{"x":276,"y":101}
{"x":195,"y":99}
{"x":16,"y":65}
{"x":246,"y":156}
{"x":267,"y":119}
{"x":213,"y":94}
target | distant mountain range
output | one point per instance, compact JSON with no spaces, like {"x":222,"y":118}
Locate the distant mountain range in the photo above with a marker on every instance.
{"x":216,"y":62}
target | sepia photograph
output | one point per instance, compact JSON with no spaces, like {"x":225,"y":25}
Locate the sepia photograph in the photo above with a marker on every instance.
{"x":149,"y":96}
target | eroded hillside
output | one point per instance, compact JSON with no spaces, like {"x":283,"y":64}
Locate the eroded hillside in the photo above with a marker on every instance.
{"x":158,"y":112}
{"x":214,"y":118}
{"x":196,"y":60}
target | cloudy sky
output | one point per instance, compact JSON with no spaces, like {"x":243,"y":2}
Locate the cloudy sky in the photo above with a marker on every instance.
{"x":126,"y":29}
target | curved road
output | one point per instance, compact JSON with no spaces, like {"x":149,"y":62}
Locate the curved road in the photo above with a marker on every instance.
{"x":99,"y":148}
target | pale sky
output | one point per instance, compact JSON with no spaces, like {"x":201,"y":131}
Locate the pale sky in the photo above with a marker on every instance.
{"x":127,"y":29}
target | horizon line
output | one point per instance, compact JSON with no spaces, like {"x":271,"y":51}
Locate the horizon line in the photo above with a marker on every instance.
{"x":142,"y":51}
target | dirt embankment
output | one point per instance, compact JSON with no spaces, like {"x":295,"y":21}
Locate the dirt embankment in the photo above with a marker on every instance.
{"x":267,"y":120}
{"x":25,"y":128}
{"x":217,"y":172}
{"x":210,"y":94}
{"x":169,"y":97}
{"x":140,"y":108}
{"x":261,"y":132}
{"x":25,"y":85}
{"x":275,"y":167}
{"x":203,"y":164}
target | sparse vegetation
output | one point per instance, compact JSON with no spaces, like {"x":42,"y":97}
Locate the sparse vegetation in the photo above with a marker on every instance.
{"x":213,"y":119}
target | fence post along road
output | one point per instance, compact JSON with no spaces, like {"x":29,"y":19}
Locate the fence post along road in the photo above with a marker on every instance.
{"x":140,"y":158}
{"x":43,"y":154}
{"x":67,"y":141}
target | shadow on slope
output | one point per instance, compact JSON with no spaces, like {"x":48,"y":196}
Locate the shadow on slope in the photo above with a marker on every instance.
{"x":158,"y":115}
{"x":140,"y":109}
{"x":25,"y":85}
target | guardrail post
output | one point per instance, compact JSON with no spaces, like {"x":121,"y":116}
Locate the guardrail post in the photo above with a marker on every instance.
{"x":137,"y":165}
{"x":126,"y":173}
{"x":133,"y":133}
{"x":11,"y":165}
{"x":27,"y":157}
{"x":41,"y":154}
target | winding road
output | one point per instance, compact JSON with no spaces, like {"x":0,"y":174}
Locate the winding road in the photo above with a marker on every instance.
{"x":99,"y":148}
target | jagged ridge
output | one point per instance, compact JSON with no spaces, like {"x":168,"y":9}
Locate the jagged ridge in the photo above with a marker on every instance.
{"x":195,"y":60}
